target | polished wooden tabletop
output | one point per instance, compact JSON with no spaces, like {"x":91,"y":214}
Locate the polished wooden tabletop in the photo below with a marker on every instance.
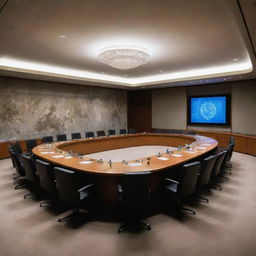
{"x":65,"y":153}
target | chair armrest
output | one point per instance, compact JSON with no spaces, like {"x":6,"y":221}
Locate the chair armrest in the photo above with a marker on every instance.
{"x":119,"y":188}
{"x":85,"y":187}
{"x":172,"y":181}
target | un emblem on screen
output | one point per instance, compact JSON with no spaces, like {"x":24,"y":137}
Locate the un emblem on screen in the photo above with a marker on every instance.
{"x":208,"y":110}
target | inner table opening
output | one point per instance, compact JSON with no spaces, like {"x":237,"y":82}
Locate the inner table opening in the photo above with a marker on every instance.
{"x":131,"y":153}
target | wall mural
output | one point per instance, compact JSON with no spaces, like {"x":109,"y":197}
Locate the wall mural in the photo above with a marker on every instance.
{"x":32,"y":109}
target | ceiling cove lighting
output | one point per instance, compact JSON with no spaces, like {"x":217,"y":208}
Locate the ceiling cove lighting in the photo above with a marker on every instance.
{"x":124,"y":57}
{"x":11,"y":64}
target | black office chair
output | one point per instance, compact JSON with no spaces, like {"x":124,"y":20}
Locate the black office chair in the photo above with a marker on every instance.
{"x":20,"y":181}
{"x":134,"y":196}
{"x":10,"y":153}
{"x":89,"y":135}
{"x":216,"y":170}
{"x":101,"y":133}
{"x":111,"y":132}
{"x":70,"y":192}
{"x":30,"y":175}
{"x":47,"y":182}
{"x":203,"y":180}
{"x":123,"y":131}
{"x":76,"y":136}
{"x":61,"y":137}
{"x":30,"y":145}
{"x":131,"y":131}
{"x":15,"y":147}
{"x":232,"y":140}
{"x":47,"y":139}
{"x":183,"y":189}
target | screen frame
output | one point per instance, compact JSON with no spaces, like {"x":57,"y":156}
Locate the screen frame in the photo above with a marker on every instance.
{"x":228,"y":110}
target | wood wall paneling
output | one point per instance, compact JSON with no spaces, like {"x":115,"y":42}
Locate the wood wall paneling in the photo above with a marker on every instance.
{"x":140,"y":110}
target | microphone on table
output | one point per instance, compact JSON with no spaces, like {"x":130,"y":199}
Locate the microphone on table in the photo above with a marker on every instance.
{"x":110,"y":163}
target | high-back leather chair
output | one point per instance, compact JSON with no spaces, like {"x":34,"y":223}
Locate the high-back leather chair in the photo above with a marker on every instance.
{"x":217,"y":167}
{"x":134,"y":195}
{"x":123,"y":131}
{"x":111,"y":132}
{"x":30,"y":174}
{"x":30,"y":145}
{"x":75,"y":135}
{"x":132,"y":131}
{"x":70,"y":191}
{"x":207,"y":165}
{"x":203,"y":180}
{"x":47,"y":181}
{"x":217,"y":170}
{"x":184,"y":187}
{"x":89,"y":135}
{"x":16,"y":147}
{"x":47,"y":139}
{"x":61,"y":137}
{"x":101,"y":133}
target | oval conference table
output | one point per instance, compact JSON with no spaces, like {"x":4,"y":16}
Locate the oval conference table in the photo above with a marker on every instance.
{"x":106,"y":176}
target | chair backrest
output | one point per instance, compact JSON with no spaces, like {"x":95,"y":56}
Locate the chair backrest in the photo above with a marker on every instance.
{"x":188,"y":175}
{"x":47,"y":139}
{"x":111,"y":132}
{"x":46,"y":175}
{"x":61,"y":137}
{"x":131,"y":131}
{"x":206,"y":169}
{"x":19,"y":169}
{"x":75,"y":135}
{"x":16,"y":147}
{"x":31,"y":144}
{"x":232,"y":139}
{"x":225,"y":160}
{"x":101,"y":133}
{"x":217,"y":167}
{"x":89,"y":135}
{"x":231,"y":146}
{"x":29,"y":168}
{"x":67,"y":185}
{"x":123,"y":131}
{"x":135,"y":189}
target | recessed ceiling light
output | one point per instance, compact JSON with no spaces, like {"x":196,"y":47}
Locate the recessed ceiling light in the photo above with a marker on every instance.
{"x":235,"y":59}
{"x":62,"y":36}
{"x":160,"y":71}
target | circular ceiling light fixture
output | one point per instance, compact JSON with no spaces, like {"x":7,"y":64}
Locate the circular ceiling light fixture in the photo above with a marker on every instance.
{"x":124,"y":56}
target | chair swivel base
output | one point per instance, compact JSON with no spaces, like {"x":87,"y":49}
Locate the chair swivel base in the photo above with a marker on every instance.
{"x":128,"y":226}
{"x":201,"y":198}
{"x":189,"y":210}
{"x":47,"y":203}
{"x":74,"y":214}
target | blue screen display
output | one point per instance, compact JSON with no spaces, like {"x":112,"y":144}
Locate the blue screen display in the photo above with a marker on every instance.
{"x":211,"y":110}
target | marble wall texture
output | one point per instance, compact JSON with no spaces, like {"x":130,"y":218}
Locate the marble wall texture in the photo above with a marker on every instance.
{"x":32,"y":109}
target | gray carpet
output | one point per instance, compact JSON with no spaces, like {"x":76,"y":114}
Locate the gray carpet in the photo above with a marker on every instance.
{"x":225,"y":226}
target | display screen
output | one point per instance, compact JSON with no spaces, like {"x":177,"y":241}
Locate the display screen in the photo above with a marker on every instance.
{"x":209,"y":110}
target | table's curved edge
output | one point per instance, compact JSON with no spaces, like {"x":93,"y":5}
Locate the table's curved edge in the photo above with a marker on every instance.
{"x":119,"y":168}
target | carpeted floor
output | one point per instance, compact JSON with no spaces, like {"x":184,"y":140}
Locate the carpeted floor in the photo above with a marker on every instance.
{"x":224,"y":227}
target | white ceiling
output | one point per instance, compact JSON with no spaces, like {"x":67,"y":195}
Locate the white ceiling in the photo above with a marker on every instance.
{"x":190,"y":41}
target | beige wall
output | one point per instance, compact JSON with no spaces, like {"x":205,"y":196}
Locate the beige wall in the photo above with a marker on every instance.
{"x":244,"y":108}
{"x":169,"y":106}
